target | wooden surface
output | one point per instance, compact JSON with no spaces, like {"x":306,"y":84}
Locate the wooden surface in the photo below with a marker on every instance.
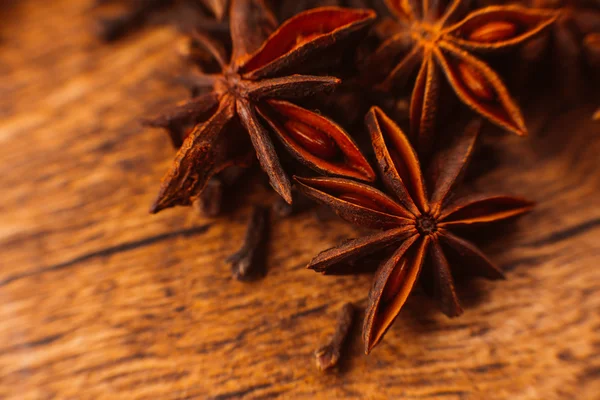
{"x":99,"y":299}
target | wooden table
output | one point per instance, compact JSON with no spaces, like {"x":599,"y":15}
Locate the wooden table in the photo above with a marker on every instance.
{"x":99,"y":299}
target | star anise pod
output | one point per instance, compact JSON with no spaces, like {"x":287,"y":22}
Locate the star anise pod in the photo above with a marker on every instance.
{"x":255,"y":82}
{"x":424,"y":35}
{"x":417,"y":219}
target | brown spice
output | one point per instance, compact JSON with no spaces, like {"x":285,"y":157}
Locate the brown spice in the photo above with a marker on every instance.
{"x":428,"y":35}
{"x":252,"y":84}
{"x":419,"y":225}
{"x":328,"y":355}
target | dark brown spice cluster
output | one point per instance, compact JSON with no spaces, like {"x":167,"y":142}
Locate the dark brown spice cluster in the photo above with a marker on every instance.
{"x":253,"y":90}
{"x":427,"y":37}
{"x":418,"y":223}
{"x":260,"y":99}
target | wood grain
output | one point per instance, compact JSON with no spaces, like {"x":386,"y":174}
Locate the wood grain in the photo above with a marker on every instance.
{"x":99,"y":299}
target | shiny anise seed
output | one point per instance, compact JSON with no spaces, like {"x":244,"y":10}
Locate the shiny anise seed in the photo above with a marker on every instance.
{"x":493,"y":32}
{"x":249,"y":261}
{"x":313,"y":140}
{"x":475,"y":82}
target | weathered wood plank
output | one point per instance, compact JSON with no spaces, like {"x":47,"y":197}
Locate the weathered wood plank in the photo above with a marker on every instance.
{"x":98,"y":299}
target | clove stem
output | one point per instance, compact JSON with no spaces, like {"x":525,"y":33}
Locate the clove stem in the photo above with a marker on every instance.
{"x":328,"y":356}
{"x":248,"y":261}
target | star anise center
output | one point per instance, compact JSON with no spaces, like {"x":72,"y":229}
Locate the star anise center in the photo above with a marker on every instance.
{"x":231,"y":83}
{"x":426,"y":224}
{"x":425,"y":33}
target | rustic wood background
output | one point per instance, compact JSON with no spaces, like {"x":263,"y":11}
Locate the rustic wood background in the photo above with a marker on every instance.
{"x":99,"y":299}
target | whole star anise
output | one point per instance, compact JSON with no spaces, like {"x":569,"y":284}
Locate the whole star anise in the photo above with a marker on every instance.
{"x":418,"y":224}
{"x":425,"y":35}
{"x":255,"y":82}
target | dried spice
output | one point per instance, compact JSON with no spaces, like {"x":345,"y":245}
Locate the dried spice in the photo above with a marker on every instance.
{"x":418,"y":225}
{"x":139,"y":11}
{"x":254,"y":83}
{"x":426,"y":35}
{"x":249,"y":261}
{"x":328,"y":355}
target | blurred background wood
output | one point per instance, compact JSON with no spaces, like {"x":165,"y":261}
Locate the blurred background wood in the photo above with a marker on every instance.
{"x":99,"y":299}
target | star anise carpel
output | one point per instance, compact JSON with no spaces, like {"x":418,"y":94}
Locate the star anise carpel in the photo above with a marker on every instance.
{"x":255,"y":87}
{"x":417,"y":217}
{"x":425,"y":37}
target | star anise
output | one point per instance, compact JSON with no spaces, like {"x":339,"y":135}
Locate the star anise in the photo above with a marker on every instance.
{"x":425,"y":35}
{"x":419,"y":224}
{"x":138,"y":11}
{"x":255,"y":82}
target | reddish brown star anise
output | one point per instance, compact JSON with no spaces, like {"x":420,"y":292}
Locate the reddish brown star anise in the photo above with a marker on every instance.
{"x":253,"y":83}
{"x":425,"y":35}
{"x":420,"y":225}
